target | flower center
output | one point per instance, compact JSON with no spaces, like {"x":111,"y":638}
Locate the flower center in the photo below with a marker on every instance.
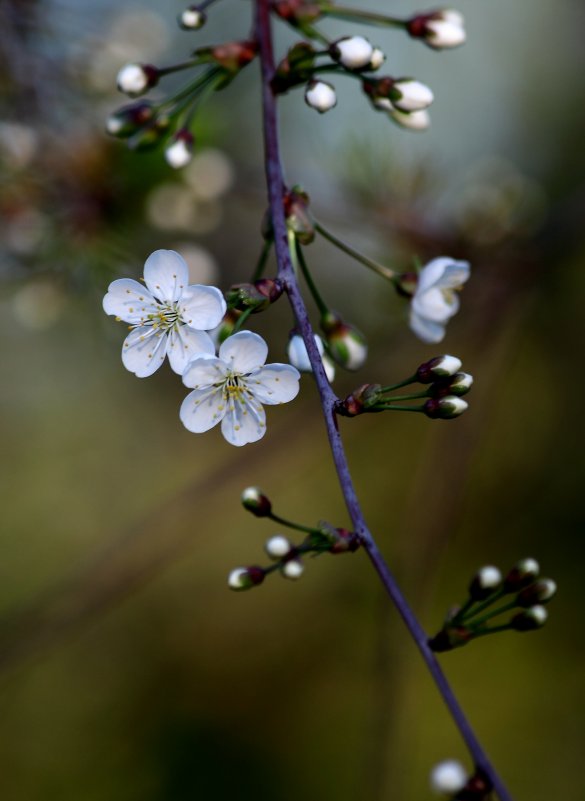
{"x":234,"y":387}
{"x":166,"y":317}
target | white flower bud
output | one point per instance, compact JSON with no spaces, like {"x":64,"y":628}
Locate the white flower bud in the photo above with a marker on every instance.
{"x":135,"y":79}
{"x":461,"y":383}
{"x":414,"y":95}
{"x":438,"y":367}
{"x":538,"y":593}
{"x":530,"y":619}
{"x":445,"y":408}
{"x":353,"y":52}
{"x":445,"y":29}
{"x":293,"y":569}
{"x":277,"y":547}
{"x":383,"y":104}
{"x":489,"y":577}
{"x":255,"y":501}
{"x":244,"y":578}
{"x":415,"y":121}
{"x":448,"y":778}
{"x":320,"y":96}
{"x":191,"y":19}
{"x":180,"y":152}
{"x":377,"y":59}
{"x":299,"y":358}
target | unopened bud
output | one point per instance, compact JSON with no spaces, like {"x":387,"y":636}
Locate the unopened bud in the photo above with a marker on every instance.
{"x":321,"y":96}
{"x":448,"y":778}
{"x":458,"y":384}
{"x":346,"y":344}
{"x":244,"y":578}
{"x":297,"y":12}
{"x":440,"y":30}
{"x":226,"y":327}
{"x":449,"y":638}
{"x":362,"y":399}
{"x":445,"y":408}
{"x":298,"y":216}
{"x":485,"y":582}
{"x":538,"y":593}
{"x":277,"y":547}
{"x":127,"y":120}
{"x":352,"y":52}
{"x":135,"y":79}
{"x":530,"y":619}
{"x":438,"y":367}
{"x":254,"y":500}
{"x":232,"y":56}
{"x":413,"y":121}
{"x":257,"y":296}
{"x":180,"y":152}
{"x":344,"y":541}
{"x":410,"y":95}
{"x":299,"y":358}
{"x":521,"y":575}
{"x":191,"y":19}
{"x":377,"y":59}
{"x":293,"y":569}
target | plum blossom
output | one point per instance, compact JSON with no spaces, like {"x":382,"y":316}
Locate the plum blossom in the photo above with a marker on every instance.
{"x":167,"y":317}
{"x":230,"y":388}
{"x":435,"y":300}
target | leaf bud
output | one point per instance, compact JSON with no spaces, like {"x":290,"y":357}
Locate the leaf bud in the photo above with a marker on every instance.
{"x":448,"y":778}
{"x":449,"y":638}
{"x":352,"y":52}
{"x":345,"y":541}
{"x":254,"y":500}
{"x":438,"y":367}
{"x":346,"y":344}
{"x":521,"y":575}
{"x":244,"y":578}
{"x":296,"y":67}
{"x":180,"y":152}
{"x":298,"y":216}
{"x":136,"y":79}
{"x":297,"y":12}
{"x":127,"y":120}
{"x":257,"y":296}
{"x":440,"y":29}
{"x":532,"y":618}
{"x":485,"y":582}
{"x":191,"y":19}
{"x":277,"y":547}
{"x":538,"y":593}
{"x":293,"y":569}
{"x":445,"y":408}
{"x":232,"y":56}
{"x":321,"y":96}
{"x":362,"y":399}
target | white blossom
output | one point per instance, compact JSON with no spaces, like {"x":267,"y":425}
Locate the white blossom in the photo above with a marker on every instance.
{"x":448,"y":777}
{"x":415,"y":96}
{"x":134,"y":80}
{"x":231,"y":388}
{"x":435,"y":300}
{"x":415,"y":121}
{"x":299,"y":358}
{"x":445,"y":29}
{"x":167,"y":317}
{"x":353,"y":52}
{"x":320,"y":95}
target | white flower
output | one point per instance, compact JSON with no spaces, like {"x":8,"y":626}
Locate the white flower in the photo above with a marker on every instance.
{"x":353,"y":52}
{"x":415,"y":121}
{"x":435,"y":300}
{"x":231,"y":388}
{"x":448,"y":777}
{"x":320,"y":96}
{"x":445,"y":29}
{"x":180,"y":152}
{"x":166,"y":317}
{"x":299,"y":358}
{"x":415,"y":96}
{"x":135,"y":79}
{"x":293,"y":569}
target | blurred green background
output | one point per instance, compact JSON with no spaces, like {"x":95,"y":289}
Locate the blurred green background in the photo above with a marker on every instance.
{"x":128,"y":670}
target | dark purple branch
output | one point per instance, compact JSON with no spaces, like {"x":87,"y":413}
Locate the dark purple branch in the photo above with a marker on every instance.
{"x":275,"y":183}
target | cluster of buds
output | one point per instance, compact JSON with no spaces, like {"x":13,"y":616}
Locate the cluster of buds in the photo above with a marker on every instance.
{"x":254,"y":297}
{"x":529,"y":592}
{"x":449,"y":779}
{"x":287,"y":557}
{"x":405,"y":100}
{"x":445,"y":384}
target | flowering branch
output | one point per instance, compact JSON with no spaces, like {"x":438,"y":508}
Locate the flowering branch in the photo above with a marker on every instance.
{"x":329,"y":400}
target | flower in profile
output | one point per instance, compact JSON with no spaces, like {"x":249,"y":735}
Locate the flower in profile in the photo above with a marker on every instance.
{"x":167,"y":317}
{"x":435,"y":301}
{"x":231,"y":388}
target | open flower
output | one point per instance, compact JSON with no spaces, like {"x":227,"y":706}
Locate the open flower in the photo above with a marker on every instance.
{"x":231,"y":388}
{"x":166,"y":317}
{"x":435,"y":300}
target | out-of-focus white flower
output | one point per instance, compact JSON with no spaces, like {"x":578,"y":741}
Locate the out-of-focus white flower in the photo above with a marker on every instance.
{"x":18,"y":144}
{"x":293,"y":569}
{"x":299,"y":358}
{"x":414,"y":95}
{"x":320,"y":95}
{"x":415,"y":121}
{"x":38,"y":305}
{"x":435,"y":300}
{"x":231,"y":388}
{"x":210,"y":174}
{"x":167,"y":317}
{"x":135,"y":79}
{"x":277,"y":546}
{"x":353,"y":52}
{"x":180,"y":152}
{"x":191,"y":19}
{"x":445,"y":29}
{"x":448,"y":777}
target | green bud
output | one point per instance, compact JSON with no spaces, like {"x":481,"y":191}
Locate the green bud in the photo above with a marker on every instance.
{"x":445,"y":408}
{"x":345,"y":343}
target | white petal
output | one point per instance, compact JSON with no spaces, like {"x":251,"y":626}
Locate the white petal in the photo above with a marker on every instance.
{"x":275,"y":383}
{"x":434,"y":305}
{"x":244,"y":352}
{"x":245,"y":421}
{"x":129,"y":300}
{"x":432,"y":273}
{"x":166,"y":274}
{"x":297,"y":352}
{"x":455,"y":275}
{"x":202,"y":307}
{"x":185,"y":344}
{"x":425,"y":329}
{"x":204,"y":371}
{"x":144,"y":350}
{"x":202,"y":409}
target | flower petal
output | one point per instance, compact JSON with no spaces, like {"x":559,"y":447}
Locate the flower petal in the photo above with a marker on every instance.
{"x":455,"y":275}
{"x":204,"y":372}
{"x":129,"y":300}
{"x":425,"y":329}
{"x":166,"y":275}
{"x":432,"y":273}
{"x":144,"y":350}
{"x":244,"y":352}
{"x":202,"y":409}
{"x":202,"y":307}
{"x":435,"y":304}
{"x":275,"y":383}
{"x":185,"y":344}
{"x":245,"y":421}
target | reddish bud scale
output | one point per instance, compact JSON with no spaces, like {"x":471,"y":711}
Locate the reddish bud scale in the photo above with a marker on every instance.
{"x":256,"y":574}
{"x":405,"y":284}
{"x":378,"y":87}
{"x":450,"y":638}
{"x":232,"y":56}
{"x":347,"y":542}
{"x":270,"y":288}
{"x":296,"y":12}
{"x":517,"y":580}
{"x":477,"y":788}
{"x":417,"y":26}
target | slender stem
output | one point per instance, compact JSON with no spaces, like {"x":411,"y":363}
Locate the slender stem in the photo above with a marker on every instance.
{"x":460,"y":616}
{"x":412,"y":396}
{"x":275,"y":185}
{"x":241,"y":320}
{"x":297,"y":251}
{"x":412,"y":380}
{"x":495,"y":596}
{"x":473,"y":620}
{"x":290,"y":524}
{"x":183,"y":65}
{"x":385,"y":272}
{"x":262,"y":259}
{"x":391,"y":407}
{"x":367,"y":17}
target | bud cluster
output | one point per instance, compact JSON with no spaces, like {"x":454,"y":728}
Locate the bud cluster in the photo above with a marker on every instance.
{"x":521,"y":589}
{"x":444,"y":384}
{"x":287,"y":557}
